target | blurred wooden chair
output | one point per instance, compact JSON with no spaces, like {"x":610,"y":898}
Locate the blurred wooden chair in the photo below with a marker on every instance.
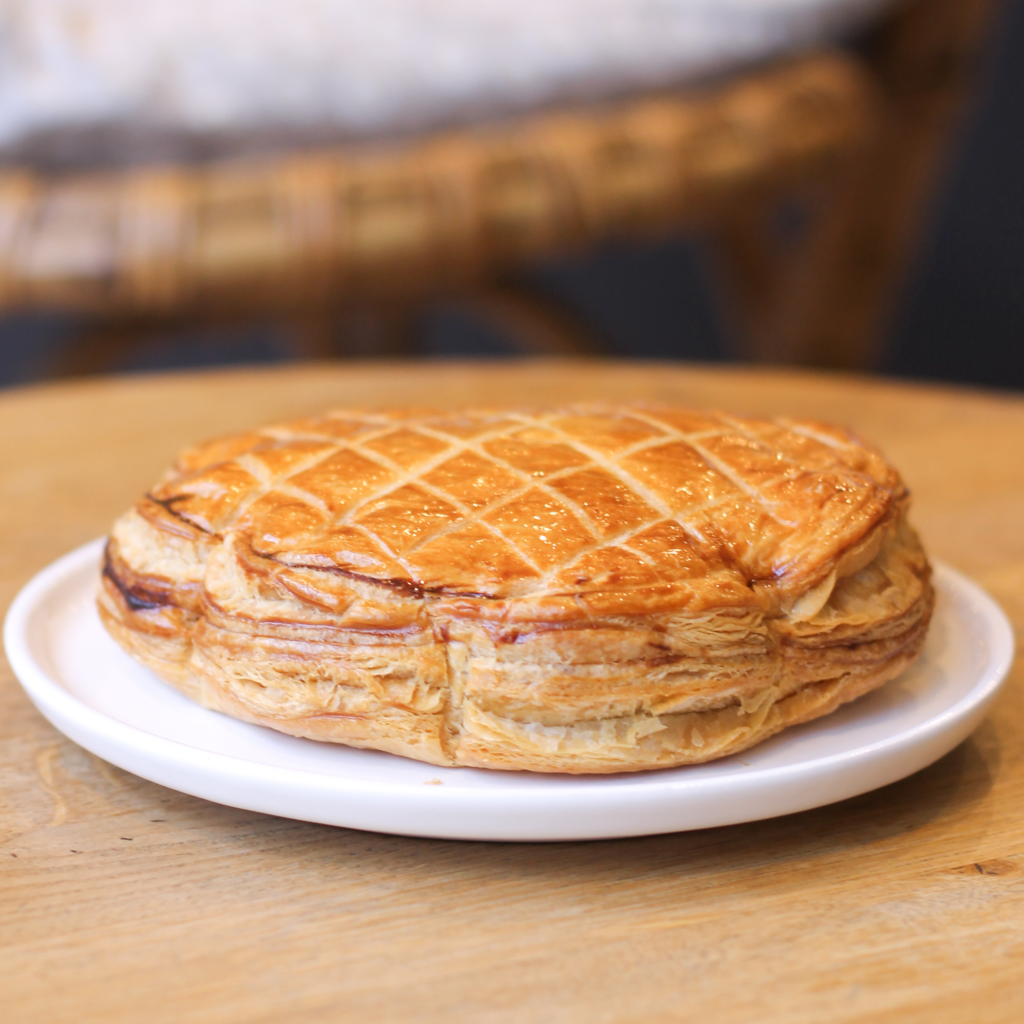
{"x":339,"y":242}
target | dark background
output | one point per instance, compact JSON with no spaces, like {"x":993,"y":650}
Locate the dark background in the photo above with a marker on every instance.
{"x":960,"y":316}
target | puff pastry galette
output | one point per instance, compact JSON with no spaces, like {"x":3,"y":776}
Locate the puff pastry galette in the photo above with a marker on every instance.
{"x":577,"y":590}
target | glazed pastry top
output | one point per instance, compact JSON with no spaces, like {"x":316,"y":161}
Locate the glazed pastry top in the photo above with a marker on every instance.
{"x":580,"y":512}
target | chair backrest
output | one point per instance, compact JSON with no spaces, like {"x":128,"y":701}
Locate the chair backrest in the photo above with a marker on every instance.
{"x":434,"y":215}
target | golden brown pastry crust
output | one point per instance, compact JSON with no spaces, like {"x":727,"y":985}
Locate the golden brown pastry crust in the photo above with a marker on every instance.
{"x":576,"y":590}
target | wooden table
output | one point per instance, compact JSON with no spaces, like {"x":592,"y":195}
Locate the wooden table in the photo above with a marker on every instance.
{"x":123,"y":901}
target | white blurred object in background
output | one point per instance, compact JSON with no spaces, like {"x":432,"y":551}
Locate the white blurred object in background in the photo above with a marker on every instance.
{"x":130,"y":79}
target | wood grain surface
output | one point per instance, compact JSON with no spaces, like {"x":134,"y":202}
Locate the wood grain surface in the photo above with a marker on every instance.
{"x":121,"y":901}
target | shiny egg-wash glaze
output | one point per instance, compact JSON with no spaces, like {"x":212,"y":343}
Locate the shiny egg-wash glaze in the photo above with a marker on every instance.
{"x":573,"y":590}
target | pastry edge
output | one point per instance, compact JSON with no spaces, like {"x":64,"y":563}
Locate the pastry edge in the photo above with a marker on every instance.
{"x":632,"y":747}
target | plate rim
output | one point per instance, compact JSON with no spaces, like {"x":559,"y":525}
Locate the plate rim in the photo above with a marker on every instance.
{"x":49,"y":695}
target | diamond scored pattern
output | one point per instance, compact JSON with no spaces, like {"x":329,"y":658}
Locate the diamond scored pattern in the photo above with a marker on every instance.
{"x":406,"y":448}
{"x":407,"y":516}
{"x":512,"y":503}
{"x":607,"y":435}
{"x":485,"y":562}
{"x":541,"y":527}
{"x":538,"y":453}
{"x":473,"y":480}
{"x":605,"y":500}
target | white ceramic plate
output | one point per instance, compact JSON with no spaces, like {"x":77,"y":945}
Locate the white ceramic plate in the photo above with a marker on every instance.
{"x":95,"y":694}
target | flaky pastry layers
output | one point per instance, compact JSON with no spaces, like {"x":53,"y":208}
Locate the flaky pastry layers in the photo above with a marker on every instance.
{"x":574,"y":590}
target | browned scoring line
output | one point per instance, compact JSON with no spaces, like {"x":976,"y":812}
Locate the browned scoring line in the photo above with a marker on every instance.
{"x":165,"y":504}
{"x":390,"y":582}
{"x":137,"y":598}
